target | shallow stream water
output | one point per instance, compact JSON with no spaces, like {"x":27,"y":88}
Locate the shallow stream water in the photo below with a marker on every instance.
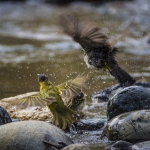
{"x":32,"y":41}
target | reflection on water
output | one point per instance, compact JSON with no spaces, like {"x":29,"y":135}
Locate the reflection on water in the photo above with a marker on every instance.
{"x":32,"y":41}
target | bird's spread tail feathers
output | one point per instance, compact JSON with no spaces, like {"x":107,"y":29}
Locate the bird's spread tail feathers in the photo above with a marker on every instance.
{"x":64,"y":117}
{"x":121,"y":76}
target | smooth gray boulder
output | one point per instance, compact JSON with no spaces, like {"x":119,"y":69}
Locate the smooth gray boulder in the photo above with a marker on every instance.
{"x":4,"y":116}
{"x":32,"y":135}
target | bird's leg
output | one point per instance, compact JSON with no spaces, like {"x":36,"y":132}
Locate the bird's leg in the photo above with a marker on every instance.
{"x":100,"y":70}
{"x":106,"y":65}
{"x":104,"y":70}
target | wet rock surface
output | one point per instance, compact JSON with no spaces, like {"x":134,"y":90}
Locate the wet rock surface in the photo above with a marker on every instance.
{"x":129,"y":126}
{"x":76,"y":147}
{"x":129,"y":99}
{"x":122,"y":145}
{"x":142,"y":145}
{"x":90,"y":124}
{"x":32,"y":135}
{"x":4,"y":116}
{"x":105,"y":94}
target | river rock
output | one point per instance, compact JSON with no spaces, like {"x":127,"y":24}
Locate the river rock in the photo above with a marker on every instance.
{"x":76,"y":147}
{"x":92,"y":124}
{"x":129,"y":126}
{"x":122,"y":145}
{"x":31,"y":135}
{"x":4,"y":116}
{"x":142,"y":145}
{"x":129,"y":99}
{"x":107,"y":93}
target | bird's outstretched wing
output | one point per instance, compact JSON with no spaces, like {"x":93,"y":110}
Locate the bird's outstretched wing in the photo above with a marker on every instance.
{"x":29,"y":100}
{"x":87,"y":34}
{"x":72,"y":88}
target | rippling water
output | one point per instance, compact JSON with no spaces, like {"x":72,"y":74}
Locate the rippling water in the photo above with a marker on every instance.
{"x":32,"y":41}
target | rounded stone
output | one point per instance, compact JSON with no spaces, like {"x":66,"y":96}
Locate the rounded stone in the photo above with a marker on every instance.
{"x":129,"y":126}
{"x":92,"y":124}
{"x":105,"y":94}
{"x":122,"y":145}
{"x":4,"y":116}
{"x":129,"y":99}
{"x":76,"y":147}
{"x":143,"y":145}
{"x":31,"y":135}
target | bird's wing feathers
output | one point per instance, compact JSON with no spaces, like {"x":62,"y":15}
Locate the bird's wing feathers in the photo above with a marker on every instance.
{"x":30,"y":99}
{"x":86,"y":34}
{"x":92,"y":34}
{"x":72,"y":88}
{"x":123,"y":34}
{"x":70,"y":25}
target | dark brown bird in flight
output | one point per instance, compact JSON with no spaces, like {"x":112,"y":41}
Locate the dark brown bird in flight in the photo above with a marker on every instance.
{"x":98,"y":51}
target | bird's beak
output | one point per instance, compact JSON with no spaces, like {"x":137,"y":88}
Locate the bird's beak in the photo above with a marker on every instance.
{"x":38,"y":75}
{"x":84,"y":52}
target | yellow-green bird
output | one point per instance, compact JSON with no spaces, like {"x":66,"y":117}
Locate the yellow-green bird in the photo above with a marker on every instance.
{"x":57,"y":98}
